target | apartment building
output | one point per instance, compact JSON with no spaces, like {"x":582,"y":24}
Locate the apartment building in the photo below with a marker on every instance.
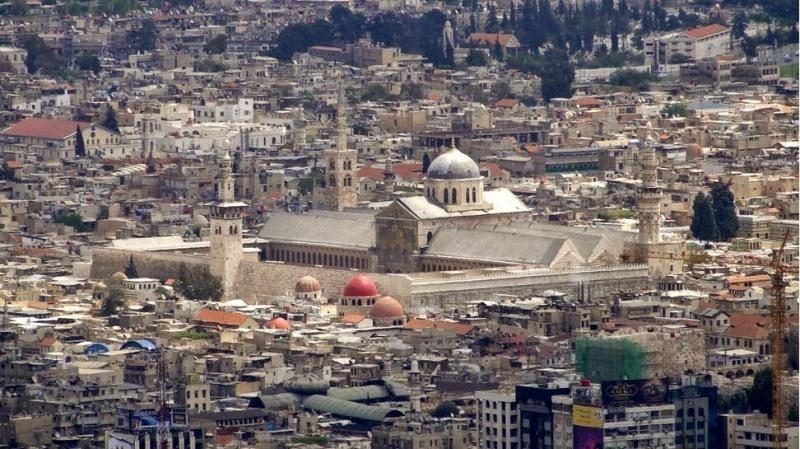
{"x":498,"y":420}
{"x":698,"y":43}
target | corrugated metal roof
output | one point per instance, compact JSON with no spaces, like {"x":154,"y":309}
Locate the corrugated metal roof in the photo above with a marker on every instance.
{"x":359,"y":394}
{"x":348,"y":409}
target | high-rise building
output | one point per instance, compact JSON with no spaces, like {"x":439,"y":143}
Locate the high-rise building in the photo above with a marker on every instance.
{"x":535,"y":405}
{"x":498,"y":420}
{"x":696,"y":420}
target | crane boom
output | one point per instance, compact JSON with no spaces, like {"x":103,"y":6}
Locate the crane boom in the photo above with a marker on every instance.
{"x":778,"y":314}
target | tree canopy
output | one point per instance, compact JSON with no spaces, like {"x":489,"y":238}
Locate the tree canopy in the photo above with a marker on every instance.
{"x":110,"y":119}
{"x":130,"y":269}
{"x":198,"y":284}
{"x":80,"y":144}
{"x":724,"y":211}
{"x":704,"y":226}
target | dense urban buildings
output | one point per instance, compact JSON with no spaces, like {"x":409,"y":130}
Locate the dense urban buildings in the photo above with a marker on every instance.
{"x":401,"y":225}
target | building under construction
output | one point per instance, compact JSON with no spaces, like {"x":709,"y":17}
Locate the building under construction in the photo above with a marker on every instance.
{"x":644,"y":352}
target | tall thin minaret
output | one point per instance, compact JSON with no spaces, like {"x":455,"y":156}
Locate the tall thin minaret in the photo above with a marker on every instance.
{"x":226,"y":227}
{"x":388,"y":179}
{"x":648,"y":196}
{"x":447,"y":37}
{"x":338,"y":189}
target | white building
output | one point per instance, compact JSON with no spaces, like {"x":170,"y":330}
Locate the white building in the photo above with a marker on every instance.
{"x":699,"y":43}
{"x":754,"y":431}
{"x":237,"y":111}
{"x":498,"y":420}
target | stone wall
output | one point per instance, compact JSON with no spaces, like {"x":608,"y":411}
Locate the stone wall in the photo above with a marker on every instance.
{"x":259,"y":280}
{"x":157,"y":265}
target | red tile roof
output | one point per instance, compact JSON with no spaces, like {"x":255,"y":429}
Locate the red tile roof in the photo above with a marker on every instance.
{"x":507,"y":103}
{"x":742,"y":279}
{"x":586,"y":102}
{"x":219,"y":317}
{"x":458,"y":328}
{"x":705,"y":31}
{"x":748,"y":326}
{"x":47,"y":342}
{"x":44,"y":128}
{"x":490,"y":38}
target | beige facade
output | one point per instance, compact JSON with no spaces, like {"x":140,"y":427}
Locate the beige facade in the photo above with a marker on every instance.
{"x":14,"y":60}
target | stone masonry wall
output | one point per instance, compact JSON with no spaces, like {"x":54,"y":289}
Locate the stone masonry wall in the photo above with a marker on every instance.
{"x":107,"y":261}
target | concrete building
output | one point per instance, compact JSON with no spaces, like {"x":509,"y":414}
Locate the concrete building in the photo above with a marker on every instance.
{"x":498,"y":420}
{"x":194,"y":394}
{"x":536,"y":408}
{"x":754,"y":430}
{"x":696,"y":418}
{"x":699,"y":43}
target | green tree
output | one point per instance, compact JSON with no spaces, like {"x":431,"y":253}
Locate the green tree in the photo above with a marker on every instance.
{"x":679,"y":58}
{"x":792,"y":347}
{"x":7,"y":173}
{"x":760,"y":394}
{"x":724,"y":211}
{"x":113,"y":298}
{"x":426,"y":162}
{"x":491,"y":22}
{"x":634,"y":79}
{"x":130,"y":269}
{"x":557,"y":75}
{"x":377,"y":92}
{"x":703,"y":226}
{"x":675,"y":110}
{"x":476,"y":58}
{"x":412,"y":91}
{"x":305,"y":185}
{"x":198,"y":284}
{"x":144,"y":38}
{"x":217,"y":45}
{"x":80,"y":145}
{"x":40,"y":56}
{"x":501,"y":90}
{"x":74,"y":220}
{"x":739,"y":25}
{"x":88,"y":63}
{"x":110,"y":119}
{"x":210,"y":66}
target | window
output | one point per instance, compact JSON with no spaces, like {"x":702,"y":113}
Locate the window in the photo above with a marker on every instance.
{"x":455,"y":197}
{"x":445,"y":200}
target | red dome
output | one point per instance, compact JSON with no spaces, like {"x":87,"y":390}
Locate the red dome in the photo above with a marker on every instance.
{"x":307,"y":284}
{"x":360,"y":287}
{"x":278,"y":323}
{"x":386,"y":307}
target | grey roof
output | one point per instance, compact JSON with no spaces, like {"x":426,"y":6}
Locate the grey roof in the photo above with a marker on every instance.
{"x":499,"y":201}
{"x":341,"y":229}
{"x":453,"y":164}
{"x":347,"y":409}
{"x":397,"y":389}
{"x":359,"y":394}
{"x":274,"y":401}
{"x":498,"y":246}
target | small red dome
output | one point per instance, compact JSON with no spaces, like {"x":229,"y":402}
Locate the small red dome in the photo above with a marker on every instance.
{"x":360,"y":287}
{"x":386,"y":307}
{"x":278,"y":323}
{"x":307,"y":284}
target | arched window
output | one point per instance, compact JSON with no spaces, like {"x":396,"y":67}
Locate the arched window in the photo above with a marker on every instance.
{"x":429,"y":236}
{"x":332,"y":164}
{"x":474,"y":197}
{"x":466,"y":196}
{"x":333,"y":181}
{"x":455,"y":196}
{"x":445,"y":196}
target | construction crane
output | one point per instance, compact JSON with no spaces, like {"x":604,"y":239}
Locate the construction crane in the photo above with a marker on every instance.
{"x":778,"y":312}
{"x":164,"y":415}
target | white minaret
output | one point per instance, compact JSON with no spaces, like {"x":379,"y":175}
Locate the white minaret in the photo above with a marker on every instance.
{"x":338,"y":188}
{"x":447,"y":37}
{"x":648,"y":196}
{"x":225,"y":220}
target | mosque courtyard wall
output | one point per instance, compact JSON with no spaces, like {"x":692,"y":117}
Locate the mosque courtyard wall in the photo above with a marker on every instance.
{"x":257,"y":281}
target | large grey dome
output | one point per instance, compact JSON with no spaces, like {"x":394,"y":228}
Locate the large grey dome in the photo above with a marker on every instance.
{"x":453,"y":165}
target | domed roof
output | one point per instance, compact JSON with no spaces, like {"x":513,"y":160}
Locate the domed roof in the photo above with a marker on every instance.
{"x":446,"y":410}
{"x":200,"y":220}
{"x":453,"y":165}
{"x":360,"y":287}
{"x":386,"y":307}
{"x":278,"y":323}
{"x":307,"y":284}
{"x":119,"y":276}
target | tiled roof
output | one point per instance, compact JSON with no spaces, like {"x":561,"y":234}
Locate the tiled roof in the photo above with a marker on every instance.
{"x":490,"y":38}
{"x":208,"y":316}
{"x":457,"y":328}
{"x":587,"y":101}
{"x":352,"y":318}
{"x":742,"y":279}
{"x":748,"y":326}
{"x":507,"y":103}
{"x":705,"y":31}
{"x":44,"y":128}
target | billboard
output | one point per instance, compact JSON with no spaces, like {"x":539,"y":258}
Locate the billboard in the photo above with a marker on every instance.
{"x":587,"y":416}
{"x":625,"y":393}
{"x":587,"y":438}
